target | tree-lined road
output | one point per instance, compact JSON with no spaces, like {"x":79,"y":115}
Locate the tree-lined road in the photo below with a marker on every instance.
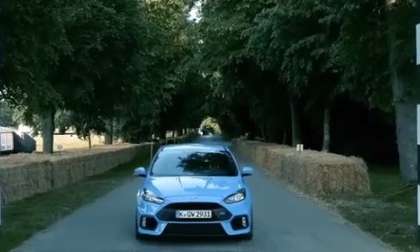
{"x":283,"y":222}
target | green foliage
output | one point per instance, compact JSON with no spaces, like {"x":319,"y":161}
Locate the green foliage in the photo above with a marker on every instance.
{"x":322,"y":48}
{"x":32,"y":51}
{"x":99,"y":60}
{"x":162,"y":91}
{"x":230,"y":70}
{"x":145,"y":67}
{"x":363,"y":51}
{"x":307,"y":49}
{"x":7,"y":118}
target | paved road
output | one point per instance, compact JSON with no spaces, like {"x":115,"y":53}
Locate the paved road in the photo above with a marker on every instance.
{"x":283,"y":222}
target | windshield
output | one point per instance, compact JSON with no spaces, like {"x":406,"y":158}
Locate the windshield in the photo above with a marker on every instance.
{"x":194,"y":163}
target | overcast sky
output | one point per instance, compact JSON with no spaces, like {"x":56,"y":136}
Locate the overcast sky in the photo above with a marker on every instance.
{"x":195,"y":13}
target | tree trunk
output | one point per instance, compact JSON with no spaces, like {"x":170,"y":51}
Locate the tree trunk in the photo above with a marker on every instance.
{"x":108,"y":138}
{"x":294,"y":117}
{"x":47,"y":126}
{"x":285,"y":137}
{"x":262,"y":132}
{"x":162,"y":134}
{"x":89,"y":140}
{"x":406,"y":94}
{"x":109,"y":135}
{"x":327,"y":130}
{"x":406,"y":126}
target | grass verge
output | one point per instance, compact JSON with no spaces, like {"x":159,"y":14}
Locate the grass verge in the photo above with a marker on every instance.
{"x":24,"y":218}
{"x":389,"y":212}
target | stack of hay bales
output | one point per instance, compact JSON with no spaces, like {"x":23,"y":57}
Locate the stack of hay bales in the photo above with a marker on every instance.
{"x":312,"y":172}
{"x":23,"y":175}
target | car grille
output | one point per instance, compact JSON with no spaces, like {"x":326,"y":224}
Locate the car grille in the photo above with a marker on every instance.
{"x":199,"y":229}
{"x":219,"y":213}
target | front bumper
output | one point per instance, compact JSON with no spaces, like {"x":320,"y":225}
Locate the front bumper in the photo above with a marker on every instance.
{"x":228,"y":219}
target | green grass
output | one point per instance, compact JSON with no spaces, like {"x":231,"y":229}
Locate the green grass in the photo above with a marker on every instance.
{"x":389,"y":213}
{"x":24,"y":218}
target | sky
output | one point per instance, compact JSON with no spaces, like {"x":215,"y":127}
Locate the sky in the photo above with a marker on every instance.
{"x":195,"y":13}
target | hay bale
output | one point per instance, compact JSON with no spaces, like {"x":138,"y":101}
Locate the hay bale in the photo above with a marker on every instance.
{"x":312,"y":172}
{"x":24,"y":175}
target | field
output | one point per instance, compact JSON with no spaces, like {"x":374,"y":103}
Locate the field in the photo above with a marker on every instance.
{"x":68,"y":142}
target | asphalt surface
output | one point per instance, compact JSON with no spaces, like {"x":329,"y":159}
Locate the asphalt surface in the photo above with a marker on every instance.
{"x":283,"y":221}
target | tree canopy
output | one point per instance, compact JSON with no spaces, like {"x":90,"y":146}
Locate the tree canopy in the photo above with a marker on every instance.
{"x":275,"y":70}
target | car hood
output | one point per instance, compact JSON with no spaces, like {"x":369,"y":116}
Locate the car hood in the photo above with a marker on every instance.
{"x":198,"y":186}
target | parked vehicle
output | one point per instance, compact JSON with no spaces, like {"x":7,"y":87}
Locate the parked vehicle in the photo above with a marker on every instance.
{"x":8,"y":141}
{"x":11,"y":142}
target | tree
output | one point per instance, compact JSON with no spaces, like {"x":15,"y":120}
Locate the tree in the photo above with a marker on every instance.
{"x":296,"y":39}
{"x":405,"y":78}
{"x":106,"y":65}
{"x":383,"y":66}
{"x":175,"y":102}
{"x":32,"y":56}
{"x":92,"y":56}
{"x":238,"y":87}
{"x":7,"y":118}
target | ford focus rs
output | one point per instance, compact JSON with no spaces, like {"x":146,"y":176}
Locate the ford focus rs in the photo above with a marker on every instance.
{"x":194,"y":190}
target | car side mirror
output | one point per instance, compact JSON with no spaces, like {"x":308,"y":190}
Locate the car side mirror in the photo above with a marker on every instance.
{"x":247,"y":171}
{"x":140,"y":172}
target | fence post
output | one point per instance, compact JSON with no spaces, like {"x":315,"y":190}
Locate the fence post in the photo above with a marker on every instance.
{"x":1,"y":206}
{"x":418,"y":121}
{"x":2,"y":203}
{"x":418,"y":172}
{"x":418,"y":43}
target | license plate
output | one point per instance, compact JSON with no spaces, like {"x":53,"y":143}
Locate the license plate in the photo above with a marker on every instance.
{"x":193,"y":214}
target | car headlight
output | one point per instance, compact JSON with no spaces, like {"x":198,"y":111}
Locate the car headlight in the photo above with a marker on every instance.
{"x":236,"y":197}
{"x":150,"y":197}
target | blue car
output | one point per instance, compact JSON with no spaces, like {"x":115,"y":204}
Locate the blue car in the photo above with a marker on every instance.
{"x":194,"y":190}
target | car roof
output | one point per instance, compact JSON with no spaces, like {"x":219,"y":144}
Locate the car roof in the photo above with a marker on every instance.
{"x":194,"y":147}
